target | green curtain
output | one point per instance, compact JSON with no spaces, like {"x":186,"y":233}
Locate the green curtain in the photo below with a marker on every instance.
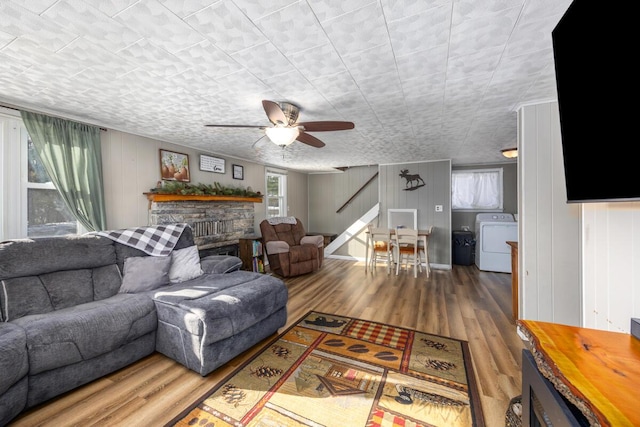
{"x":71,"y":154}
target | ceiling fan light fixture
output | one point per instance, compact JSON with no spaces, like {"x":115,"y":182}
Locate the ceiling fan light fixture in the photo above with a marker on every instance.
{"x":286,"y":128}
{"x":282,"y":136}
{"x":510,"y":153}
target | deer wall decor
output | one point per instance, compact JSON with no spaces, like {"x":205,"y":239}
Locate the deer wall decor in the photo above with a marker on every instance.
{"x":414,"y":181}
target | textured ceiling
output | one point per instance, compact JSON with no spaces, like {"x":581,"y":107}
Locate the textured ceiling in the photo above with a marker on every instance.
{"x":421,"y":79}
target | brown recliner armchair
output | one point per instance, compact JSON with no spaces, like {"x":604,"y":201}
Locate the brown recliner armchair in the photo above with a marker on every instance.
{"x":289,"y":250}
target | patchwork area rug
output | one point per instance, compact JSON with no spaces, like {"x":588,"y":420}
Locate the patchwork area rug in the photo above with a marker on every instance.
{"x":329,"y":370}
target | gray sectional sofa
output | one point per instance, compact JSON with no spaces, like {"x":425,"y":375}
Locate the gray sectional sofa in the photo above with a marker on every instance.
{"x":66,"y":318}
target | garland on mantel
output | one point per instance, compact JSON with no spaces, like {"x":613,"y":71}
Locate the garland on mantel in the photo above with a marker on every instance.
{"x":215,"y":189}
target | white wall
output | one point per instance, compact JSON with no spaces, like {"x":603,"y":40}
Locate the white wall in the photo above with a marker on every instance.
{"x":297,"y":198}
{"x":611,"y":264}
{"x":550,"y":283}
{"x":579,"y":263}
{"x":13,"y":200}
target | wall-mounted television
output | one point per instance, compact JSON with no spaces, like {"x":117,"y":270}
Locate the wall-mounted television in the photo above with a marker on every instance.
{"x":592,"y":49}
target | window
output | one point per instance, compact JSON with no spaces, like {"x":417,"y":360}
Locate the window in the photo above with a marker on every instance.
{"x":478,"y":189}
{"x":37,"y":209}
{"x":276,"y":194}
{"x":47,"y":214}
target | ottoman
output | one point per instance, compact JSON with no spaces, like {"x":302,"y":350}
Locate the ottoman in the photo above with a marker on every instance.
{"x":205,"y":322}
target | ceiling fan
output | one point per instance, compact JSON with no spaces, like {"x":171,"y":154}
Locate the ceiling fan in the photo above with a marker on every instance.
{"x":286,"y":128}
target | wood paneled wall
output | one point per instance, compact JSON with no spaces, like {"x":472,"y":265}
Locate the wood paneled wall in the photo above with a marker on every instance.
{"x":328,"y":192}
{"x":611,"y":264}
{"x":297,"y":197}
{"x":550,"y":281}
{"x":579,"y":263}
{"x":396,"y":194}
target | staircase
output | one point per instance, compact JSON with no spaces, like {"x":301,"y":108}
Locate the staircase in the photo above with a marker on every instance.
{"x":353,"y":230}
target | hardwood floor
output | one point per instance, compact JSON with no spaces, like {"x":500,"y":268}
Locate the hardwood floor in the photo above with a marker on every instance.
{"x":462,"y":303}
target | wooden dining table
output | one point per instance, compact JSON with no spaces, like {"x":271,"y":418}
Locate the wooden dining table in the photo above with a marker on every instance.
{"x":423,"y":236}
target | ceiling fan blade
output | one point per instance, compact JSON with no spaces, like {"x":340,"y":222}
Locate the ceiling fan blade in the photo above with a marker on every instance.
{"x":236,"y":126}
{"x":310,"y":140}
{"x":274,"y":113}
{"x":326,"y":126}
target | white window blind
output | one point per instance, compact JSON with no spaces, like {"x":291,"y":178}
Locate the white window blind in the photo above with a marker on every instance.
{"x":477,"y":189}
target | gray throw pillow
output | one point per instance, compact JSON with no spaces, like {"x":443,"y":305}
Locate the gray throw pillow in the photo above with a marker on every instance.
{"x":145,"y":273}
{"x":185,"y":264}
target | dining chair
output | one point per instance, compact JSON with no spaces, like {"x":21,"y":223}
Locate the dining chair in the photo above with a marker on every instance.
{"x":380,"y":239}
{"x":424,"y":250}
{"x":406,"y":249}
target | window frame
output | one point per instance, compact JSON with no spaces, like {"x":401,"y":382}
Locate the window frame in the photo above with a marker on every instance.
{"x":3,"y":223}
{"x":25,"y":184}
{"x":14,"y":209}
{"x":500,"y":189}
{"x":282,"y":192}
{"x":11,"y":202}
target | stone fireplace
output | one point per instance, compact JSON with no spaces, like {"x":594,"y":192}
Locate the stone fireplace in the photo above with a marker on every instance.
{"x":217,"y":221}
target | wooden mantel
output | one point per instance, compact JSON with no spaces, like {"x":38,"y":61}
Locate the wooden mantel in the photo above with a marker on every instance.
{"x":158,"y":197}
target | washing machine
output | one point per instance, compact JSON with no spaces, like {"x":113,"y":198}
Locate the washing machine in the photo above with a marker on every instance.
{"x":493,"y":230}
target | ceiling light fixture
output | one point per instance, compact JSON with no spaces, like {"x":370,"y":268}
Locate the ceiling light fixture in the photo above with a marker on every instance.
{"x":510,"y":153}
{"x":282,"y":136}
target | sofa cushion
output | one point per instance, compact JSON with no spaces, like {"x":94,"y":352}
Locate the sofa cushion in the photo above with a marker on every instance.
{"x":123,"y":251}
{"x":14,"y":366}
{"x":13,"y":401}
{"x":106,"y":281}
{"x":145,"y":273}
{"x":218,"y":264}
{"x":22,"y":296}
{"x":68,"y":288}
{"x":185,"y":264}
{"x":302,"y":253}
{"x":217,"y":306}
{"x":85,"y":331}
{"x":14,"y":363}
{"x":33,"y":257}
{"x":277,"y":247}
{"x":45,"y":274}
{"x":317,"y":241}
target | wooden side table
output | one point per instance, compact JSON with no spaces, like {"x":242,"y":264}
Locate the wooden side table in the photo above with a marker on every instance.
{"x":328,"y":237}
{"x":514,"y":278}
{"x":597,"y":371}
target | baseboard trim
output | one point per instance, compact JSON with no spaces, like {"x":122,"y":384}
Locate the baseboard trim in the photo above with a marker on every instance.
{"x":635,"y":328}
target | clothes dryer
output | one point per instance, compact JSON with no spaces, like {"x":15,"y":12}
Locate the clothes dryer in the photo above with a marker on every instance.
{"x":493,"y":230}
